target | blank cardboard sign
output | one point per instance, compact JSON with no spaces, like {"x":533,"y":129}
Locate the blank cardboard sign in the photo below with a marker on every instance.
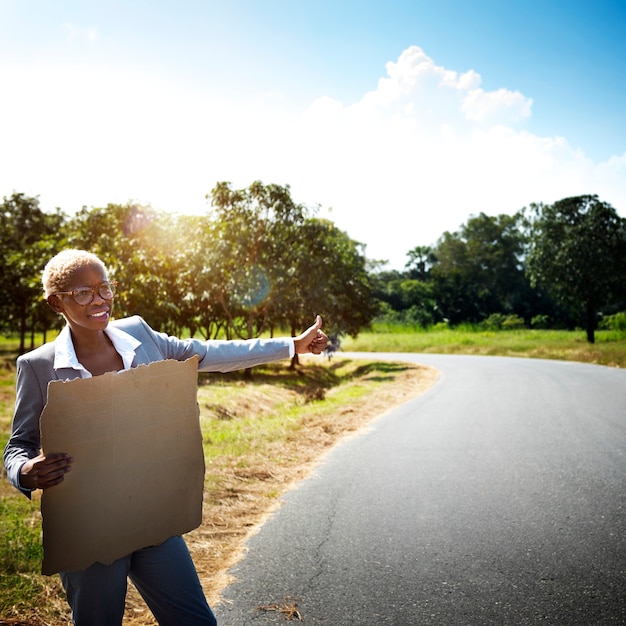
{"x":138,"y":471}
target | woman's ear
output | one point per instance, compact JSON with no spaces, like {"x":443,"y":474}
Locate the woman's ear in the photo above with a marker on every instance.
{"x":54,"y":302}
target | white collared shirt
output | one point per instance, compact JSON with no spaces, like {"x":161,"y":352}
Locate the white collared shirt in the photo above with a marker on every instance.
{"x":65,"y":353}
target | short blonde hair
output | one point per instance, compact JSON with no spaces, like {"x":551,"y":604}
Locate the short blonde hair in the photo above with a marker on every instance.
{"x":60,"y":268}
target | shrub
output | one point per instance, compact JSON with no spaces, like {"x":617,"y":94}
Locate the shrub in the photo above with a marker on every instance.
{"x":439,"y":326}
{"x":499,"y":321}
{"x":540,"y":322}
{"x":614,"y":322}
{"x":513,"y":322}
{"x":493,"y":322}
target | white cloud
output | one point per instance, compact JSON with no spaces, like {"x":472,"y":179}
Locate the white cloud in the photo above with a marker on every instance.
{"x":414,"y":157}
{"x":430,"y":147}
{"x":416,"y":84}
{"x":76,"y":32}
{"x":480,"y":106}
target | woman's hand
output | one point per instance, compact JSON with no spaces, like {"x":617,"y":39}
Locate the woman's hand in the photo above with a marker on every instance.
{"x":45,"y":471}
{"x":312,"y":340}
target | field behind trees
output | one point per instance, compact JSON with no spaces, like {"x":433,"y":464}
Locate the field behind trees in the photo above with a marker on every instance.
{"x":608,"y":349}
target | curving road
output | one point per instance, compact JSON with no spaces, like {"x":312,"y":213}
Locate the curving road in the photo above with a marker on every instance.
{"x":497,"y":497}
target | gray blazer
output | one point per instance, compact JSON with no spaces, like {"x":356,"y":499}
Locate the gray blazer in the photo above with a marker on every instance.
{"x":35,"y":370}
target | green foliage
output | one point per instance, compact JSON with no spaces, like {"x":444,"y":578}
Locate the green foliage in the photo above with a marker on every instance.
{"x":277,"y":265}
{"x":577,"y":251}
{"x":252,"y":231}
{"x":28,"y":238}
{"x":478,"y":270}
{"x":255,"y":263}
{"x":140,"y":248}
{"x":441,"y":327}
{"x":421,"y":261}
{"x":258,"y":262}
{"x":499,"y":321}
{"x":540,"y":321}
{"x":514,"y":271}
{"x":337,"y":281}
{"x":466,"y":277}
{"x":614,"y":322}
{"x":411,"y":301}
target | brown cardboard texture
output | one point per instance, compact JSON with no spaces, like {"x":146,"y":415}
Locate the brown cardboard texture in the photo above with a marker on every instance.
{"x":138,"y":471}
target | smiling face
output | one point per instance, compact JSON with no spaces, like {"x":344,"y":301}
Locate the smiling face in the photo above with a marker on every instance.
{"x":94,"y":316}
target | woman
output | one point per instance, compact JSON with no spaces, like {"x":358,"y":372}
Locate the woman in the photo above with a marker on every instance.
{"x":77,"y":286}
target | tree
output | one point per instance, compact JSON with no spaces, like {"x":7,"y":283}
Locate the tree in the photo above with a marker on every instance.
{"x":136,"y":244}
{"x":478,"y":270}
{"x":277,"y":265}
{"x":578,"y":251}
{"x":255,"y":232}
{"x":405,"y":300}
{"x":329,"y":277}
{"x":421,"y":260}
{"x":28,"y":238}
{"x":195,"y":281}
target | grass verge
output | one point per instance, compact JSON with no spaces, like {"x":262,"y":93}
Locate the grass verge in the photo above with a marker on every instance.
{"x":609,"y":348}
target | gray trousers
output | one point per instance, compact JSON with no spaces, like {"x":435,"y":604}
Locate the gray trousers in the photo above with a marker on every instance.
{"x":164,"y":575}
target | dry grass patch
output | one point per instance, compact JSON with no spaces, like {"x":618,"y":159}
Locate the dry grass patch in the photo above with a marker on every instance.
{"x":288,"y":608}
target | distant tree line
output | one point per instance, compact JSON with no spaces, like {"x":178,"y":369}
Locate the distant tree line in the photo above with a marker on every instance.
{"x":548,"y":266}
{"x":257,"y":262}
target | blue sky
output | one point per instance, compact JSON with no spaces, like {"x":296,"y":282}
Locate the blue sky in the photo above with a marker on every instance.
{"x":399,"y":119}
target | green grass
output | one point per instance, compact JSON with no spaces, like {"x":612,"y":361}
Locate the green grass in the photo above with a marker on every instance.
{"x":250,"y":424}
{"x":21,"y":553}
{"x":20,"y":535}
{"x":609,"y":348}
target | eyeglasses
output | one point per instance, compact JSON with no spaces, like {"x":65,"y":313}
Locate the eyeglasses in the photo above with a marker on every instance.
{"x":85,"y":295}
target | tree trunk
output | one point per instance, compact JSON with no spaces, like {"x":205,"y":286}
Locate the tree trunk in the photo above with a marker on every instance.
{"x":23,"y":329}
{"x":294,"y":360}
{"x":591,"y":323}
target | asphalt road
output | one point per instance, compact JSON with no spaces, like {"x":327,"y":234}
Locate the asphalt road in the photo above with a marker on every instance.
{"x":497,"y":497}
